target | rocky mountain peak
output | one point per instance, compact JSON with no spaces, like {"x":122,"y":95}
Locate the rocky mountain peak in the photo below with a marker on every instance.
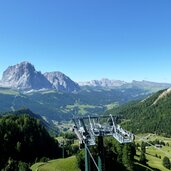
{"x":26,"y":66}
{"x":61,"y":82}
{"x":16,"y":71}
{"x":24,"y":76}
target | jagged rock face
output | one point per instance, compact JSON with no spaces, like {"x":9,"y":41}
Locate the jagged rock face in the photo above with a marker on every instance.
{"x":103,"y":83}
{"x":61,"y":82}
{"x":24,"y":76}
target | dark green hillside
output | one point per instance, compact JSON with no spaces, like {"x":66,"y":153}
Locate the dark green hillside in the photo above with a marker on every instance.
{"x":148,"y":115}
{"x":23,"y":138}
{"x":28,"y":112}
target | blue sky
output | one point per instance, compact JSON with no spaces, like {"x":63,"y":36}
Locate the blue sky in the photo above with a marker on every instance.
{"x":89,"y":39}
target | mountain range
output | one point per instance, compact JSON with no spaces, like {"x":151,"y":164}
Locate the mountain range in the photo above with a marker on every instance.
{"x":54,"y":96}
{"x":106,"y":83}
{"x":103,"y":83}
{"x":24,"y":76}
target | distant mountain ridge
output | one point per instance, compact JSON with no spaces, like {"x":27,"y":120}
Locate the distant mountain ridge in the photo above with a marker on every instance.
{"x":24,"y":76}
{"x":122,"y":84}
{"x":103,"y":83}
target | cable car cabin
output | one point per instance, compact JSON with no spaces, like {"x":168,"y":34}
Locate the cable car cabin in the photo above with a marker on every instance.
{"x":122,"y":138}
{"x":122,"y":135}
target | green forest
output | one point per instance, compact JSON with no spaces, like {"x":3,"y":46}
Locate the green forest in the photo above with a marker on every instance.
{"x":145,"y":116}
{"x":23,"y":140}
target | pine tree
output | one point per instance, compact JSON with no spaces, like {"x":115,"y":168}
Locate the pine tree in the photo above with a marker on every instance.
{"x":127,"y":157}
{"x":142,"y":155}
{"x":166,"y":162}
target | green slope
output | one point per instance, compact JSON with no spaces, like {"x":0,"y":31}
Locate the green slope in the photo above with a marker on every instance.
{"x":67,"y":164}
{"x":154,"y":155}
{"x":147,"y":116}
{"x":24,"y":139}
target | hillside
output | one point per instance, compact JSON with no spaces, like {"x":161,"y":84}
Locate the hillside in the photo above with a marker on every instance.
{"x":49,"y":126}
{"x":150,"y":115}
{"x":24,"y":139}
{"x":54,"y":105}
{"x":66,"y":164}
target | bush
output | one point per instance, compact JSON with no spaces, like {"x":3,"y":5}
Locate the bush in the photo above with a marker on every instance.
{"x":14,"y":165}
{"x":44,"y":159}
{"x":23,"y":166}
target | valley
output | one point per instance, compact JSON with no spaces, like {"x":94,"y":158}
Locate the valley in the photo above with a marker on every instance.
{"x":55,"y":96}
{"x":85,"y":85}
{"x":54,"y":105}
{"x":148,"y":121}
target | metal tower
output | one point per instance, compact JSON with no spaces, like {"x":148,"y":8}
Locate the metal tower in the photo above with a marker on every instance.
{"x":90,"y":127}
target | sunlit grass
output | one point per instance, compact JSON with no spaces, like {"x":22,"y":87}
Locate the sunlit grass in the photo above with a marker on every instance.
{"x":155,"y":155}
{"x":67,"y":164}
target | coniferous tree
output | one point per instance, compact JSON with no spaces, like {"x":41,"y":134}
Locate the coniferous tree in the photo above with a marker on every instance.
{"x":142,"y":155}
{"x":166,"y":162}
{"x":127,"y":157}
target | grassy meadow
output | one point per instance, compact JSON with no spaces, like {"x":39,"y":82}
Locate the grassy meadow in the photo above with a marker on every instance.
{"x":153,"y":154}
{"x":67,"y":164}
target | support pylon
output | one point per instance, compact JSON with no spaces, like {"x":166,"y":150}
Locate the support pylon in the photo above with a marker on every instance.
{"x":87,"y":159}
{"x":101,"y":157}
